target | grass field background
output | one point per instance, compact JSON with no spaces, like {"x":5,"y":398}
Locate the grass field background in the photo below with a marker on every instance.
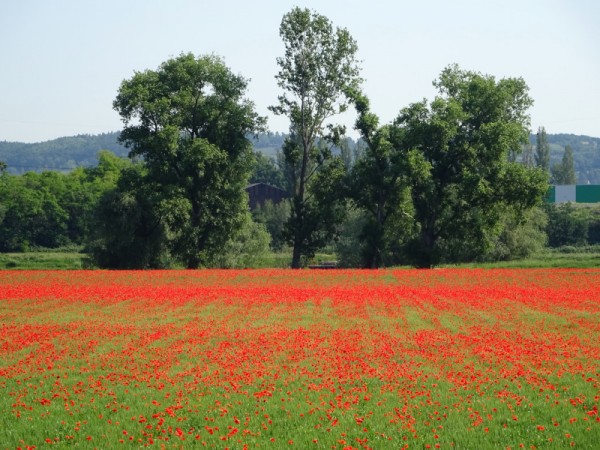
{"x":446,"y":358}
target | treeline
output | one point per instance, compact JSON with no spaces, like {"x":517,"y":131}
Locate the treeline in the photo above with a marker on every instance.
{"x":443,"y":182}
{"x":52,"y":210}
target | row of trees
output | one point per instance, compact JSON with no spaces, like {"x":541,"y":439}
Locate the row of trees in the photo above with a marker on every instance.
{"x":61,"y":154}
{"x":74,"y":209}
{"x":441,"y":170}
{"x":437,"y":183}
{"x":53,"y":209}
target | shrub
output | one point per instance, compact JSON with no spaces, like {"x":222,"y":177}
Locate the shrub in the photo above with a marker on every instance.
{"x":520,"y":238}
{"x":246,"y":249}
{"x":567,"y":225}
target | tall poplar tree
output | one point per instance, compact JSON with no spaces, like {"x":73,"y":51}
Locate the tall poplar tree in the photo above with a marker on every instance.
{"x":542,"y":150}
{"x":564,"y":172}
{"x":318,"y":67}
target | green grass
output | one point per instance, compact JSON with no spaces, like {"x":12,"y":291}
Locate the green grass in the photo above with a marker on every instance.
{"x":547,"y":259}
{"x":70,"y":260}
{"x":43,"y":261}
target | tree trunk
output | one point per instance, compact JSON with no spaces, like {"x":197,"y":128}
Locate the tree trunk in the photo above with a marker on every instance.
{"x":298,"y":216}
{"x":380,"y":218}
{"x":428,"y":240}
{"x":296,"y":254}
{"x":299,"y":206}
{"x":193,"y":262}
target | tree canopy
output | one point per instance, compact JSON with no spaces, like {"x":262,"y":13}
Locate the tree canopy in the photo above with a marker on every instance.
{"x":53,"y":209}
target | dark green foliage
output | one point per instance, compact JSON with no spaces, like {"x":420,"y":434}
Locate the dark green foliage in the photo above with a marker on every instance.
{"x":322,"y":210}
{"x":274,"y":218}
{"x":246,"y":248}
{"x":594,"y":232}
{"x":31,"y":215}
{"x":350,"y":246}
{"x":266,"y":170}
{"x":360,"y":236}
{"x":314,"y":216}
{"x":594,"y":226}
{"x":83,"y":190}
{"x":520,"y":237}
{"x":53,"y":209}
{"x":378,"y":185}
{"x":129,"y":231}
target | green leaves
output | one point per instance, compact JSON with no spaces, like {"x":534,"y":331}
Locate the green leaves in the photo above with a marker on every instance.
{"x":377,"y":184}
{"x":52,"y":209}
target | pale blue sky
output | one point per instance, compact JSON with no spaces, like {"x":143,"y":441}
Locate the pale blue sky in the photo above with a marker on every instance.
{"x":63,"y":60}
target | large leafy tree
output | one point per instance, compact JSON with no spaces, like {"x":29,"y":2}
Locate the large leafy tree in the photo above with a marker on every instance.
{"x":457,"y":148}
{"x":318,"y":67}
{"x":189,"y":121}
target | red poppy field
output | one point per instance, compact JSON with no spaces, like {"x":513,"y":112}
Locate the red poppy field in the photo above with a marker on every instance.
{"x":449,"y":358}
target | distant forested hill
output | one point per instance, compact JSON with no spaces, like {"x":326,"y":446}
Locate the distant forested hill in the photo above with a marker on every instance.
{"x":66,"y":153}
{"x":62,"y":154}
